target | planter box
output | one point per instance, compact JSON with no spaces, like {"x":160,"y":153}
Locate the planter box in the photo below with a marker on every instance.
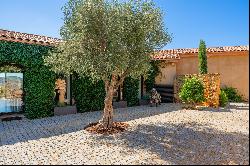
{"x":144,"y":102}
{"x":120,"y":104}
{"x":65,"y":110}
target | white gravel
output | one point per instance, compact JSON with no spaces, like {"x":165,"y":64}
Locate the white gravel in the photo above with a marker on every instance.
{"x":167,"y":134}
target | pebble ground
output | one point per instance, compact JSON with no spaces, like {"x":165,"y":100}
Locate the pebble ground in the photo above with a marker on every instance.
{"x":167,"y":134}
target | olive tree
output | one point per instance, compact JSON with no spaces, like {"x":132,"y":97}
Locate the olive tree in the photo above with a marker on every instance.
{"x":108,"y":40}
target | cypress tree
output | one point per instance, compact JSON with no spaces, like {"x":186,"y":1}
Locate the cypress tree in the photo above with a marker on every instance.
{"x":202,"y":58}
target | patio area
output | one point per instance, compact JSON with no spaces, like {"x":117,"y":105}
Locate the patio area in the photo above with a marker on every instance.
{"x":166,"y":134}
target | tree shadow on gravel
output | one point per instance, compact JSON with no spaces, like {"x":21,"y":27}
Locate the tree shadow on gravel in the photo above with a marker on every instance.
{"x":12,"y":132}
{"x":25,"y":130}
{"x":187,"y":143}
{"x":132,"y":113}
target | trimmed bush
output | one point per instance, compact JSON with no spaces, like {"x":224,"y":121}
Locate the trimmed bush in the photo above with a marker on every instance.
{"x":131,"y":91}
{"x":223,"y":98}
{"x":89,"y":96}
{"x":192,"y":91}
{"x":232,"y":94}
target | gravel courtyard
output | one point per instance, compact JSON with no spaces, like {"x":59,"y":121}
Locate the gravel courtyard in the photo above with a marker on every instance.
{"x":167,"y":134}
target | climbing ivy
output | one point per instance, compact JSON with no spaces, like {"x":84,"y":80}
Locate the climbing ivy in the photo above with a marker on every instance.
{"x":38,"y":82}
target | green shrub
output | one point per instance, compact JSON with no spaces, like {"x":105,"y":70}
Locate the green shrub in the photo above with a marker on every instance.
{"x":131,"y":91}
{"x":192,"y":91}
{"x":89,"y":96}
{"x":232,"y":94}
{"x":223,"y":98}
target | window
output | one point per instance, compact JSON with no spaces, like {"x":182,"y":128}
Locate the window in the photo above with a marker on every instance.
{"x":11,"y":92}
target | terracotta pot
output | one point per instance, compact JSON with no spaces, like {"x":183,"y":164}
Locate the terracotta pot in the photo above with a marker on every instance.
{"x":120,"y":104}
{"x":143,"y":102}
{"x":65,"y":110}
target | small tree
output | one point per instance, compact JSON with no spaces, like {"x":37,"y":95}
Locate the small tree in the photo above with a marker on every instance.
{"x":107,"y":40}
{"x":202,"y":57}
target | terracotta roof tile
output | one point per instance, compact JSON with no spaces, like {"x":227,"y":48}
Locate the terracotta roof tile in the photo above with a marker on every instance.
{"x":163,"y":55}
{"x":27,"y":38}
{"x":177,"y":53}
{"x":170,"y":54}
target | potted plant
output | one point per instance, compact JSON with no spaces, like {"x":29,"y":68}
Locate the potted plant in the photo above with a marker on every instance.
{"x":62,"y":108}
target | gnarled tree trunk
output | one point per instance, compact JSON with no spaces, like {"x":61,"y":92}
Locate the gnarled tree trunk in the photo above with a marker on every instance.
{"x":107,"y":119}
{"x":110,"y":88}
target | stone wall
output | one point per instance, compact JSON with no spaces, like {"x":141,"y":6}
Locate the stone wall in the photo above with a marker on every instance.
{"x":211,"y":84}
{"x":233,"y":68}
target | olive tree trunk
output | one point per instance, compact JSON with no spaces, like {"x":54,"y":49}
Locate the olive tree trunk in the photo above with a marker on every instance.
{"x":110,"y":88}
{"x":107,"y":119}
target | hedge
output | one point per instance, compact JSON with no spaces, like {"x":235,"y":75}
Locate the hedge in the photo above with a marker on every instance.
{"x":152,"y":73}
{"x":88,"y":96}
{"x":131,"y":91}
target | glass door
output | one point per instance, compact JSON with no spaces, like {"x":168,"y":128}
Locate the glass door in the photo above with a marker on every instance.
{"x":11,"y":90}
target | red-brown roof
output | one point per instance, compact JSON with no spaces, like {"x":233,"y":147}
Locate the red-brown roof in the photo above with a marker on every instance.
{"x":170,"y":54}
{"x":165,"y":55}
{"x":177,"y":53}
{"x":27,"y":38}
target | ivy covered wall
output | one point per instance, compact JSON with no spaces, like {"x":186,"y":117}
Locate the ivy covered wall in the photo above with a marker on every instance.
{"x":38,"y":82}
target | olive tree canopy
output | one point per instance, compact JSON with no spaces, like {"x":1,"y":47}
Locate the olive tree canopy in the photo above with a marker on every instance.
{"x":109,"y":39}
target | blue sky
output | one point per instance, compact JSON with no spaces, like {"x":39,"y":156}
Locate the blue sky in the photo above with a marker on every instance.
{"x":218,"y":22}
